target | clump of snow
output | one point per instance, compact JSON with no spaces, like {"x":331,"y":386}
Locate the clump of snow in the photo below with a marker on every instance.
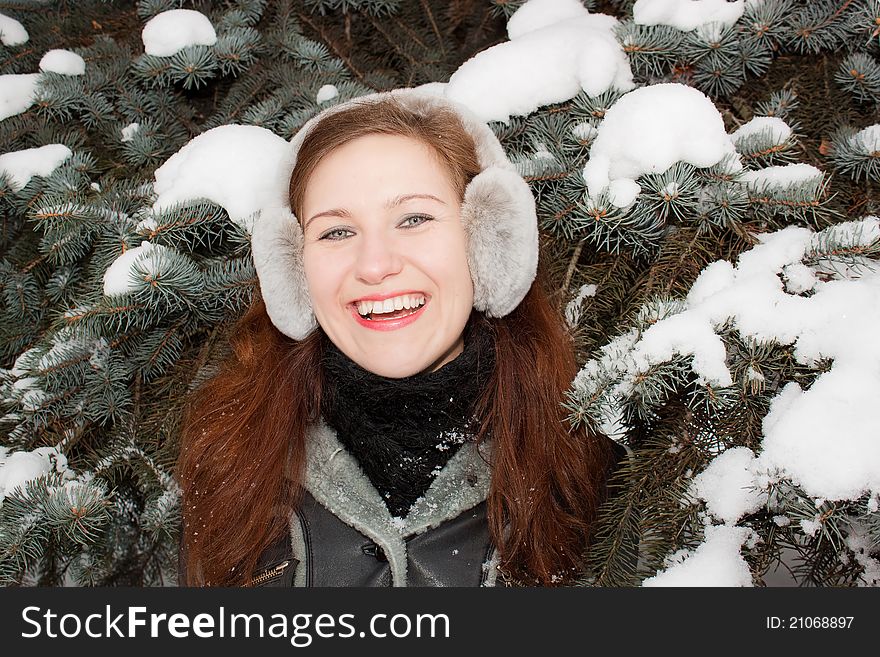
{"x":868,"y":140}
{"x":537,"y":14}
{"x":650,"y":129}
{"x":25,"y":390}
{"x":717,"y":561}
{"x":556,"y":50}
{"x":129,"y":131}
{"x":171,"y":31}
{"x":728,"y":486}
{"x":64,"y":62}
{"x":781,"y":177}
{"x":687,"y":15}
{"x":21,"y":166}
{"x":811,"y":527}
{"x":234,"y":166}
{"x":17,"y":93}
{"x":118,"y":279}
{"x":754,"y":375}
{"x":584,"y":131}
{"x":623,"y":192}
{"x":573,"y":307}
{"x":12,"y":33}
{"x":325,"y":93}
{"x":861,"y":544}
{"x":18,"y":468}
{"x":543,"y":153}
{"x":146,"y":225}
{"x":798,"y":278}
{"x":773,"y":127}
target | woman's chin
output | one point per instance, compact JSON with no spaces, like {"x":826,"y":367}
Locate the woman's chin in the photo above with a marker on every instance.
{"x":395,"y":369}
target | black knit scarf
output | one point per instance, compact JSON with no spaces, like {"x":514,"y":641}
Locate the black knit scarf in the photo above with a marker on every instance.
{"x":403,"y":431}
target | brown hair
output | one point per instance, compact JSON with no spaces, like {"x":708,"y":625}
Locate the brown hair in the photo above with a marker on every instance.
{"x":243,"y":443}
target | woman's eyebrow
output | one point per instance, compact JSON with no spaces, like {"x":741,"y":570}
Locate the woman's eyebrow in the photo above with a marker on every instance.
{"x":397,"y":200}
{"x":335,"y":212}
{"x":390,"y":203}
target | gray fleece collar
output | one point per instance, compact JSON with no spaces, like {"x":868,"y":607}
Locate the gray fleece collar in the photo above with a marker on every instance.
{"x":335,"y":480}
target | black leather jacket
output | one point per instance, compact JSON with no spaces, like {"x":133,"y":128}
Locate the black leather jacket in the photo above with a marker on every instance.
{"x":342,"y":534}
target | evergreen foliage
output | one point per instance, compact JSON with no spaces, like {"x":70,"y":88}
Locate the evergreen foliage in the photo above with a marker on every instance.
{"x":99,"y":381}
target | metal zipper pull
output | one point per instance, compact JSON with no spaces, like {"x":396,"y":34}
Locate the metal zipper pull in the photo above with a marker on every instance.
{"x":268,"y":574}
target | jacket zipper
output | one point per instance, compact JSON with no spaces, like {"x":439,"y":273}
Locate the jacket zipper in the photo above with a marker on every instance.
{"x":268,"y":574}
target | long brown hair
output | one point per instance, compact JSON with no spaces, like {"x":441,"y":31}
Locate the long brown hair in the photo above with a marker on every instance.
{"x":244,"y":431}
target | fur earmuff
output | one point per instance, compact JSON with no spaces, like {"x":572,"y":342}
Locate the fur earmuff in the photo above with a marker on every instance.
{"x":499,"y":220}
{"x":498,"y":212}
{"x":277,"y":248}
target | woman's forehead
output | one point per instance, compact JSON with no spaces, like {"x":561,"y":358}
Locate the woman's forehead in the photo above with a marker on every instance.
{"x":383,"y":169}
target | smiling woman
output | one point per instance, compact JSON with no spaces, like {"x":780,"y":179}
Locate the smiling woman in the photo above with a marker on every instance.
{"x":396,"y":239}
{"x":391,"y":413}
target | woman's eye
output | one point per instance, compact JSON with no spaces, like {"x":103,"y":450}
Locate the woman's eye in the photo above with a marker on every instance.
{"x":335,"y":234}
{"x":416,"y":220}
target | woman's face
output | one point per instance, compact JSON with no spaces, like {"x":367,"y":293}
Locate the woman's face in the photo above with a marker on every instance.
{"x":383,"y":232}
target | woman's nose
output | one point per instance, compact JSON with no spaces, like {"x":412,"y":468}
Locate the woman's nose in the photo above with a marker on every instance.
{"x":378,"y":257}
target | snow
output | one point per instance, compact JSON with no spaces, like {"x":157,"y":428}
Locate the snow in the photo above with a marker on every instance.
{"x":325,"y":93}
{"x":64,"y":62}
{"x":573,"y":307}
{"x":146,"y":225}
{"x":171,"y":31}
{"x":861,"y":544}
{"x":118,"y":277}
{"x":823,"y":438}
{"x":21,"y":166}
{"x":538,"y":14}
{"x":584,"y":131}
{"x":680,"y":335}
{"x":129,"y":131}
{"x":772,"y":126}
{"x":18,"y":468}
{"x":624,"y":192}
{"x":867,"y":140}
{"x":687,"y":15}
{"x":781,"y":177}
{"x":798,"y":278}
{"x":17,"y":93}
{"x":234,"y":166}
{"x":811,"y":527}
{"x":728,"y":486}
{"x":650,"y":129}
{"x":716,"y":562}
{"x":555,"y":51}
{"x":12,"y":33}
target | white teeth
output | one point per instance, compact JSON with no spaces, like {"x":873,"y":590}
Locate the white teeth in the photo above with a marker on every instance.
{"x":409,"y":301}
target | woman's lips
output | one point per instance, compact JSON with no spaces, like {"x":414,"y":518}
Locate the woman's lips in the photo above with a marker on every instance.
{"x":388,"y":324}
